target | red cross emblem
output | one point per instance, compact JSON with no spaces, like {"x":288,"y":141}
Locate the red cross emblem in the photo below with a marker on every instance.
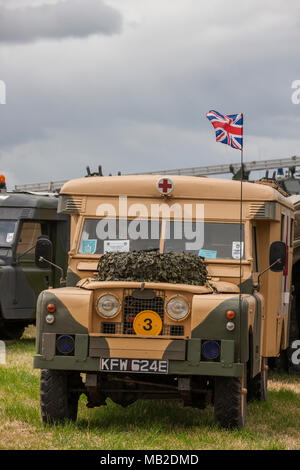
{"x":165,"y":186}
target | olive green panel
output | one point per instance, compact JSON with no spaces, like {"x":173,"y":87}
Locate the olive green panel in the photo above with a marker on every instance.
{"x":214,"y":326}
{"x":176,"y":350}
{"x":60,"y":237}
{"x":247,"y":287}
{"x":21,"y":281}
{"x":255,"y":338}
{"x":206,"y":368}
{"x":17,"y":293}
{"x":244,"y":333}
{"x":38,"y":279}
{"x":19,"y":201}
{"x":64,"y":321}
{"x":175,"y":367}
{"x":81,"y":347}
{"x":99,"y":348}
{"x":46,"y":214}
{"x":48,"y":345}
{"x":194,"y":350}
{"x":227,"y":353}
{"x":66,"y":363}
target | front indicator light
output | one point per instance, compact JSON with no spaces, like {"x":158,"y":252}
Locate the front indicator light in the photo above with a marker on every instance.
{"x":230,"y":326}
{"x":50,"y":319}
{"x":177,"y":308}
{"x":108,"y":305}
{"x":230,"y":314}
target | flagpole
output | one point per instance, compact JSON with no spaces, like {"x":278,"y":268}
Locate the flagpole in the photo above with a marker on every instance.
{"x":224,"y":122}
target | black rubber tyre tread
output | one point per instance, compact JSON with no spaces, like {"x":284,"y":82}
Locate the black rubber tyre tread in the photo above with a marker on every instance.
{"x":58,"y":404}
{"x":257,"y":387}
{"x":228,"y":402}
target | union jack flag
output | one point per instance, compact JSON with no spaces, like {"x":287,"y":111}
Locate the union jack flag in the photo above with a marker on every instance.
{"x":228,"y":128}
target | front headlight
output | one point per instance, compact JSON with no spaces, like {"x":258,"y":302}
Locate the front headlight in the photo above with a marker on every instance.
{"x":177,"y":308}
{"x":108,"y":305}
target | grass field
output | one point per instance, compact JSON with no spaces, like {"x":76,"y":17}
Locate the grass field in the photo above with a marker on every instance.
{"x":149,"y":425}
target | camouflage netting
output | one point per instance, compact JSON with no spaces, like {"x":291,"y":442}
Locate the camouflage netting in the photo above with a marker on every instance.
{"x":175,"y":268}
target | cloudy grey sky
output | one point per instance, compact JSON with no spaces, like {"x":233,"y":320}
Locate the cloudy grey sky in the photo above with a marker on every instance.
{"x":126,"y":83}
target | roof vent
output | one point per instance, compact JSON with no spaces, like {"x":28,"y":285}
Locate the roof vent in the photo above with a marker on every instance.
{"x":267,"y":210}
{"x":71,"y":204}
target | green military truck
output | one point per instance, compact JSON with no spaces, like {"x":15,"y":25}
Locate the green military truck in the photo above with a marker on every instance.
{"x":24,"y":217}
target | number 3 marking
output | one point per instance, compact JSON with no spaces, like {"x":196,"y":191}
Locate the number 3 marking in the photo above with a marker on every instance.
{"x":149,"y":325}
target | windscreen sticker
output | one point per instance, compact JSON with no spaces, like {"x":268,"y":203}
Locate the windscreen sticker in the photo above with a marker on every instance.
{"x":9,"y":237}
{"x":237,"y":250}
{"x":88,"y":247}
{"x":207,"y":253}
{"x":117,"y":246}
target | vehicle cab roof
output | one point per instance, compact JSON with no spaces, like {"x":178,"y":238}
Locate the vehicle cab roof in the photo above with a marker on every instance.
{"x":185,"y":187}
{"x":36,"y":201}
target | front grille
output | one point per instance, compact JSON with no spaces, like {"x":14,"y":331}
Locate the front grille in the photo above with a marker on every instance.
{"x":173,"y":330}
{"x":111,"y":328}
{"x":117,"y":329}
{"x":132,"y":306}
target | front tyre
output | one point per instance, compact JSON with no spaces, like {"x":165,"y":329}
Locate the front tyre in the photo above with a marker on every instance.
{"x":230,"y":401}
{"x":59,"y":396}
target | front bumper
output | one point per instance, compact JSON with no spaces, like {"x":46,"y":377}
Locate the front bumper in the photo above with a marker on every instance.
{"x":184,"y":355}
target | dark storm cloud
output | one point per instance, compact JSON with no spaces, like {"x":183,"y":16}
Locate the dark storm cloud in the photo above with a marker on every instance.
{"x":137,"y":101}
{"x":71,"y":18}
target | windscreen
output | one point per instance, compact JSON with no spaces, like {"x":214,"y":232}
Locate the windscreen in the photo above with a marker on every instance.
{"x":7,"y":232}
{"x":111,"y":235}
{"x":207,"y":239}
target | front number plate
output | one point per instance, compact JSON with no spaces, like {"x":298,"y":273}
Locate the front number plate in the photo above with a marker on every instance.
{"x":154,"y":366}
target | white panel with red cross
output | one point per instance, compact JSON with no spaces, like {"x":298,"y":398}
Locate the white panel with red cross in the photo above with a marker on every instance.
{"x":165,"y":186}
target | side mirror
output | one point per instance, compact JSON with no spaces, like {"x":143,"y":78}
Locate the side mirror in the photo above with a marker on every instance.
{"x":44,"y":249}
{"x":277,"y":253}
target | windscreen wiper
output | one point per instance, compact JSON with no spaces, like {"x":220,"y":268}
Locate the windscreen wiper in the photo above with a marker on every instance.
{"x":148,"y":249}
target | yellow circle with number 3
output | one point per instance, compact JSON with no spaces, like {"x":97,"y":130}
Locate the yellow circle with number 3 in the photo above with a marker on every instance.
{"x":147,"y":322}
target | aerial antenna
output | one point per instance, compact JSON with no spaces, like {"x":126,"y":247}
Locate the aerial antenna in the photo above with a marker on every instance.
{"x":99,"y":173}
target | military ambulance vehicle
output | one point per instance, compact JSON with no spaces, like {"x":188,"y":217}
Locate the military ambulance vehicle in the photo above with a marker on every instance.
{"x":127,"y":339}
{"x":25,"y":217}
